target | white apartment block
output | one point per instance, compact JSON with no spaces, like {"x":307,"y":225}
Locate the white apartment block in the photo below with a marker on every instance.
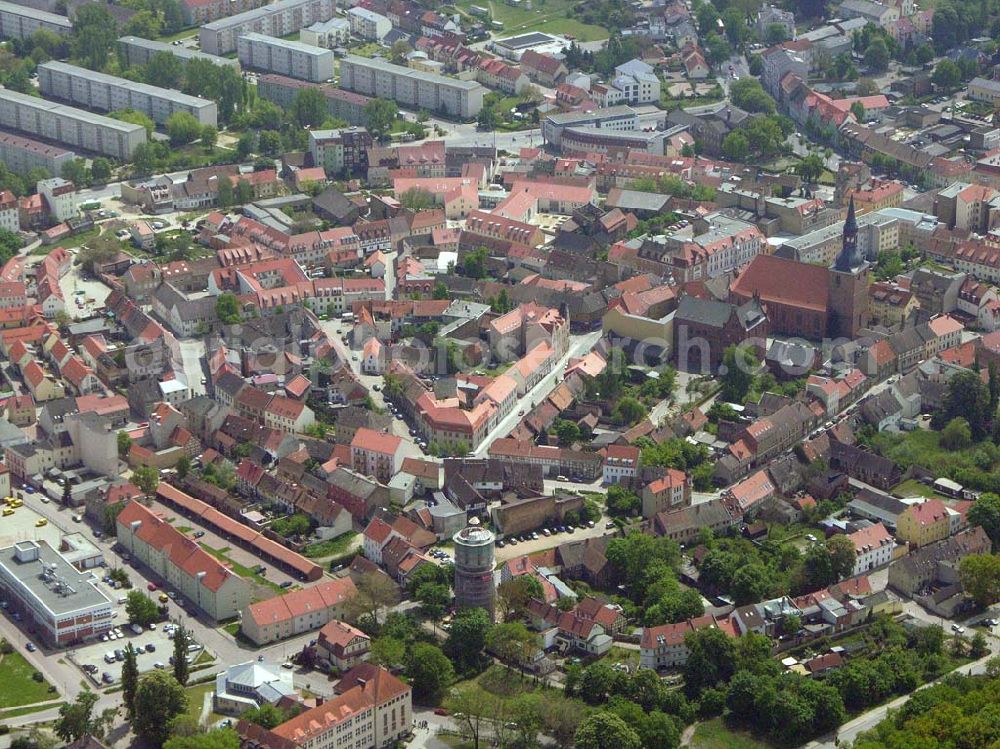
{"x":9,"y":214}
{"x":330,"y":34}
{"x":294,"y":59}
{"x":278,"y":19}
{"x":637,"y":83}
{"x":368,"y":24}
{"x":74,"y":127}
{"x":408,"y":87}
{"x":20,"y":22}
{"x":139,"y":51}
{"x":109,"y":93}
{"x":60,"y":196}
{"x":21,"y":155}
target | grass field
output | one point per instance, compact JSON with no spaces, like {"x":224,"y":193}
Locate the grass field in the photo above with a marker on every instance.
{"x":913,"y":488}
{"x":239,"y":569}
{"x":552,"y":16}
{"x":331,"y":548}
{"x":196,"y":697}
{"x":6,"y":714}
{"x":714,"y":734}
{"x":16,"y":685}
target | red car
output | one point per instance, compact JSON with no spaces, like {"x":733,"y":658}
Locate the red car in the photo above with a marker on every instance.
{"x":151,"y":586}
{"x":440,"y":711}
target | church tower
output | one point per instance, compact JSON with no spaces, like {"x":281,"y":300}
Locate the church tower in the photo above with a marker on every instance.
{"x":848,"y":289}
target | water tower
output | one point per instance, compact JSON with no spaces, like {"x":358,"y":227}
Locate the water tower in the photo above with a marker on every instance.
{"x":474,"y":563}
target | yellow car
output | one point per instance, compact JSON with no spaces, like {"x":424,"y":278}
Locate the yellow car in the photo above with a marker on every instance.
{"x":40,"y":522}
{"x":7,"y":511}
{"x":164,"y":598}
{"x":17,"y":503}
{"x":9,"y":500}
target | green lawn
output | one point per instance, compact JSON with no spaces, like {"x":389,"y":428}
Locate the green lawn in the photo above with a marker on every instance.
{"x":7,"y":714}
{"x":16,"y":685}
{"x":913,"y":488}
{"x":332,"y":547}
{"x":552,"y":16}
{"x":185,"y":34}
{"x":715,"y":735}
{"x":239,"y":569}
{"x":196,"y":696}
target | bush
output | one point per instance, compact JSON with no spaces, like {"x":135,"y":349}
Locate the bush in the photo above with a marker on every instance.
{"x":5,"y":647}
{"x":37,"y":676}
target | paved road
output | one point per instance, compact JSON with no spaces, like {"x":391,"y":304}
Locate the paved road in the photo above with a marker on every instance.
{"x":579,"y":345}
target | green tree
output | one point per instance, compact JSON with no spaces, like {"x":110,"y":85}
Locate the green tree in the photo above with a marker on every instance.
{"x":736,"y":147}
{"x":737,"y":373}
{"x":417,"y":199}
{"x":567,"y":431}
{"x":877,"y":55}
{"x":183,"y":466}
{"x":164,"y":70}
{"x":269,"y":142}
{"x":429,"y":670}
{"x":512,"y":643}
{"x":467,"y":638}
{"x":433,"y":599}
{"x":243,"y":192}
{"x":146,"y":478}
{"x":76,"y":719}
{"x":130,"y":679}
{"x":380,"y":115}
{"x":124,"y":444}
{"x":603,"y":730}
{"x":388,"y":652}
{"x":956,"y":435}
{"x":946,"y":76}
{"x":267,"y":715}
{"x":440,"y":291}
{"x":181,"y":668}
{"x":158,"y":698}
{"x":985,"y":513}
{"x":967,"y":397}
{"x":209,"y":137}
{"x":810,"y":168}
{"x":622,"y":502}
{"x":980,"y":576}
{"x":842,"y":556}
{"x":748,"y":94}
{"x":220,"y":738}
{"x":474,"y":264}
{"x":309,"y":108}
{"x":94,"y":34}
{"x":628,"y":411}
{"x":141,"y":609}
{"x":100,"y":170}
{"x":227,"y":308}
{"x":514,"y":595}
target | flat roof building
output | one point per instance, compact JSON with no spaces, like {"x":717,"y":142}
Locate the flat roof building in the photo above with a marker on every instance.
{"x":278,"y":19}
{"x":610,"y":118}
{"x":64,"y":604}
{"x":407,"y":87}
{"x":21,"y":155}
{"x":74,"y":127}
{"x":109,"y":93}
{"x":20,"y":22}
{"x":294,"y":59}
{"x":139,"y":51}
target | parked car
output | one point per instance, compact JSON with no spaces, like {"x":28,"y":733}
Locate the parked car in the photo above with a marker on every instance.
{"x":30,"y":647}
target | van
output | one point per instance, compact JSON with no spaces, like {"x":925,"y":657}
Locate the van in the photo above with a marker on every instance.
{"x":122,"y":600}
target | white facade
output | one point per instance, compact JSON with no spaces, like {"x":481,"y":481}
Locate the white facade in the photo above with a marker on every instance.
{"x":294,"y":59}
{"x":20,"y":22}
{"x":368,"y":24}
{"x":108,"y":93}
{"x":408,"y":87}
{"x":277,"y":19}
{"x":330,"y":34}
{"x":60,"y":196}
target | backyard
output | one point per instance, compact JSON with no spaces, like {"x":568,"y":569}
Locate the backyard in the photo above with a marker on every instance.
{"x":714,"y":734}
{"x":239,"y":569}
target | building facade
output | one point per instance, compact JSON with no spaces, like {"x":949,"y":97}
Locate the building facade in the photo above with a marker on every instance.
{"x":408,"y":87}
{"x":294,"y":59}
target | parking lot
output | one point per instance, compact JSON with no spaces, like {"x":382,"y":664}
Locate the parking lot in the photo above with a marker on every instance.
{"x":22,"y":525}
{"x":152,"y":647}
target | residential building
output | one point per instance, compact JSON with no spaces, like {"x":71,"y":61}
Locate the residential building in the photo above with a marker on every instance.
{"x":663,"y":647}
{"x":408,"y":87}
{"x":936,"y":563}
{"x":277,"y":19}
{"x":194,"y":573}
{"x":329,"y":34}
{"x":985,"y":90}
{"x":294,"y":59}
{"x":621,"y":464}
{"x":340,"y":104}
{"x":296,"y":612}
{"x":21,"y":155}
{"x":70,"y":126}
{"x":138,"y":51}
{"x":342,"y":646}
{"x":367,"y":24}
{"x":108,"y":93}
{"x":666,"y":494}
{"x":61,"y":604}
{"x":198,"y":12}
{"x":376,"y":454}
{"x":924,"y":523}
{"x":874,"y":547}
{"x":20,"y":21}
